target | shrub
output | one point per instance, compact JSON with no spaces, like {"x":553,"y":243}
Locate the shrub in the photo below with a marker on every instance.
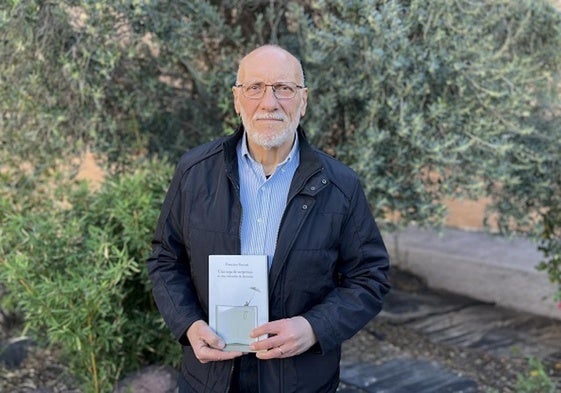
{"x":74,"y":265}
{"x":440,"y":99}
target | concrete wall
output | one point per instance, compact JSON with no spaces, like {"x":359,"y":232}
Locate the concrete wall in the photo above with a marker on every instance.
{"x":476,"y":264}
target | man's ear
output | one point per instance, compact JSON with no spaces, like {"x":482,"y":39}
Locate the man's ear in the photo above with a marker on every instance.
{"x":235,"y":92}
{"x":304,"y":102}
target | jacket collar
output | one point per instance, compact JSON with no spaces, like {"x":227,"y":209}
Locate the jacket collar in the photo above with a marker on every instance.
{"x":309,"y":161}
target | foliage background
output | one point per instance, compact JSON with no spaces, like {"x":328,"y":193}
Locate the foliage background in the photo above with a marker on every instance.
{"x":426,"y":100}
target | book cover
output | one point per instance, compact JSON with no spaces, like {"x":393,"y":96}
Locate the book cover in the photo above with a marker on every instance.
{"x":238,"y":297}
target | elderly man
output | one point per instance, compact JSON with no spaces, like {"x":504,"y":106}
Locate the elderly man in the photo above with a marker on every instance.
{"x":265,"y":190}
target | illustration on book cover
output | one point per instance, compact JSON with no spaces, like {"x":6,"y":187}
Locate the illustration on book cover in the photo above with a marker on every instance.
{"x":238,"y":297}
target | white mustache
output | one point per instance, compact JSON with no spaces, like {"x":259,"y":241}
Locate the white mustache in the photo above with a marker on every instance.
{"x":270,"y":116}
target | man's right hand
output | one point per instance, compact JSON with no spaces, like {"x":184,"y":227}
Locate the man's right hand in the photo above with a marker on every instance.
{"x":207,"y":345}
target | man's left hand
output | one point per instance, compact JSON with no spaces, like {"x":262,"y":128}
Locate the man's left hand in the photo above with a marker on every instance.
{"x":287,"y":337}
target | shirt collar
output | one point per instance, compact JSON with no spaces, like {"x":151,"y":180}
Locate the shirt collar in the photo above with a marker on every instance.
{"x":243,"y":149}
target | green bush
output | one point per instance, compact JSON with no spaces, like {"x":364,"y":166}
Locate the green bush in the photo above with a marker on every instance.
{"x":440,"y":99}
{"x":74,"y":265}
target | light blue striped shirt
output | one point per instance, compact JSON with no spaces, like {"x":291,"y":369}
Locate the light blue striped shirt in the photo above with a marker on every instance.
{"x":263,"y":200}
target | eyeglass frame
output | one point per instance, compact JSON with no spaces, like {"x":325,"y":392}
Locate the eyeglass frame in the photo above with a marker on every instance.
{"x":272,"y":85}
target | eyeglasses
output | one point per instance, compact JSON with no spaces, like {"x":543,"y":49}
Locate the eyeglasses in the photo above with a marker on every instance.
{"x":281,"y":90}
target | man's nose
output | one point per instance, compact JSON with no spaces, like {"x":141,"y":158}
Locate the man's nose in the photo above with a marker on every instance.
{"x":269,"y":100}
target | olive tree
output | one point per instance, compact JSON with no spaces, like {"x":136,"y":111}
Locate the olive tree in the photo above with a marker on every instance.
{"x":431,"y":100}
{"x":125,"y":78}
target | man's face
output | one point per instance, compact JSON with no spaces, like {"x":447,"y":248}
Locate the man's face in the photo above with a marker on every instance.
{"x":268,"y":121}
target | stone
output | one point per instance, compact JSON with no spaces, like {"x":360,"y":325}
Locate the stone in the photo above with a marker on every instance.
{"x":14,"y":351}
{"x":151,"y":379}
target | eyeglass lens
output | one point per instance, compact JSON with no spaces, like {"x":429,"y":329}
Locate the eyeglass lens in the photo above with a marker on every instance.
{"x":280,"y":90}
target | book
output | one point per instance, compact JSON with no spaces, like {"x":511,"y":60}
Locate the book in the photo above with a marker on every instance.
{"x":238,"y":298}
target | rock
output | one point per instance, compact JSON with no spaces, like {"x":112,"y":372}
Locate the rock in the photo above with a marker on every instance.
{"x":9,"y":321}
{"x":152,"y":379}
{"x":14,"y":351}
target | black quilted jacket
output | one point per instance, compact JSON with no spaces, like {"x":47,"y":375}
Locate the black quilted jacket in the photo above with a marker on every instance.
{"x":330,"y":263}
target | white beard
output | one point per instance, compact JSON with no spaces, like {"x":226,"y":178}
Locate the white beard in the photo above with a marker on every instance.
{"x":270,"y":139}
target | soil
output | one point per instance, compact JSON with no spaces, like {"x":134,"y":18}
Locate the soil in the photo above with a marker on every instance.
{"x":41,"y":372}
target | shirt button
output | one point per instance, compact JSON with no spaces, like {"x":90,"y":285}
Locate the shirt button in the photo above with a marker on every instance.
{"x":312,"y":188}
{"x":323,"y":181}
{"x":304,"y":207}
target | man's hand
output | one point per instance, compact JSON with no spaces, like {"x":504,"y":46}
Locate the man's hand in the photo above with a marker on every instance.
{"x":287,"y":337}
{"x":206,"y":344}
